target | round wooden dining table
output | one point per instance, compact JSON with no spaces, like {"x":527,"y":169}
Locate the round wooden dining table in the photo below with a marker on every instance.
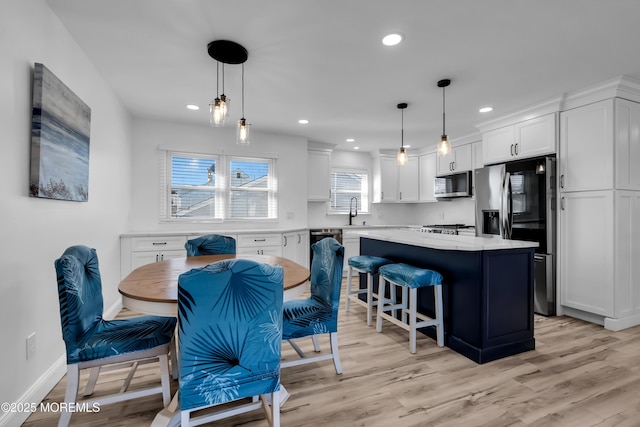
{"x":153,"y":288}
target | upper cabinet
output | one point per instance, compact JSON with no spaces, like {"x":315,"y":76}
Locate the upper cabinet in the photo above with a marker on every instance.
{"x":393,"y":183}
{"x":427,"y":172}
{"x":459,"y":160}
{"x":319,"y":175}
{"x":586,"y":147}
{"x":530,"y":138}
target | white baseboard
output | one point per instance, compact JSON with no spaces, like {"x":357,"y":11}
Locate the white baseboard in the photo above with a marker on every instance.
{"x":36,"y":393}
{"x":43,"y":386}
{"x":621,"y":323}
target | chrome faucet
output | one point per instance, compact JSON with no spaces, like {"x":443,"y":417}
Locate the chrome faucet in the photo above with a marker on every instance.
{"x":353,"y":212}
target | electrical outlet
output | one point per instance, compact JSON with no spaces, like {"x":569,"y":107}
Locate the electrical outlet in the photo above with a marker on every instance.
{"x":31,"y":345}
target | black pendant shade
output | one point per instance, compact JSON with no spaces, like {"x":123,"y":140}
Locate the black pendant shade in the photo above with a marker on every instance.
{"x":227,"y":52}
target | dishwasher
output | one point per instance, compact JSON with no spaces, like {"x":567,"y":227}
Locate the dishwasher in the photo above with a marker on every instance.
{"x":317,"y":234}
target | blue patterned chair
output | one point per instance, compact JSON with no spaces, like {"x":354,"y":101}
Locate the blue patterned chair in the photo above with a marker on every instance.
{"x":92,"y":342}
{"x":317,"y":314}
{"x":211,"y":244}
{"x":230,"y":337}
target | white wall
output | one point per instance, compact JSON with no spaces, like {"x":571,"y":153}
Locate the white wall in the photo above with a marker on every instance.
{"x":149,"y":135}
{"x":35,"y":231}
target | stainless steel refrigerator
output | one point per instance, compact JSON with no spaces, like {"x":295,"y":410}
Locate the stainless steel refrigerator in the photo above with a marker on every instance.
{"x":517,"y":200}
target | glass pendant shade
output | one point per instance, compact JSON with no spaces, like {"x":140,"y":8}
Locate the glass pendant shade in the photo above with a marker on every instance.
{"x":443,"y":147}
{"x":402,"y":159}
{"x":242,"y":134}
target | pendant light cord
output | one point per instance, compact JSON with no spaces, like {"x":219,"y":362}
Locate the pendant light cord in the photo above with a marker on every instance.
{"x":402,"y":128}
{"x":443,"y":112}
{"x":223,"y":78}
{"x":243,"y":90}
{"x":217,"y":78}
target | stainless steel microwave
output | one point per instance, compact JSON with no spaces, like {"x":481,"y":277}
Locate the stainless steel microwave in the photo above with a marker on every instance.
{"x":450,"y":186}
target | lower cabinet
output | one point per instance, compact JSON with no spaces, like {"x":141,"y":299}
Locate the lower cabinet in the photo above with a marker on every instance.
{"x":138,"y":251}
{"x":261,"y":244}
{"x":599,"y":252}
{"x":295,"y":246}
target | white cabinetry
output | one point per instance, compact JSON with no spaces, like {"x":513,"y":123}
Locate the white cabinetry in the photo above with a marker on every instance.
{"x":427,"y":173}
{"x":388,"y":178}
{"x":319,"y":175}
{"x":138,"y":251}
{"x":261,"y":244}
{"x":295,"y":246}
{"x":530,"y":138}
{"x":459,"y":160}
{"x":476,"y":152}
{"x":408,"y":181}
{"x":586,"y":147}
{"x":586,"y":251}
{"x":600,"y":212}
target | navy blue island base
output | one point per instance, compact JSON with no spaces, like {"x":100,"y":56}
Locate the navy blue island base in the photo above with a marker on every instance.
{"x":488,"y":295}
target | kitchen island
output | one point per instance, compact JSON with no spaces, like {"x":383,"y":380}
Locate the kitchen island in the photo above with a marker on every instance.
{"x":487,"y":292}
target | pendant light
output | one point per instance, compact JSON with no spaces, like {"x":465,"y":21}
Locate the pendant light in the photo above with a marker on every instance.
{"x":402,"y":159}
{"x":219,"y":107}
{"x":242,"y":136}
{"x":443,"y":146}
{"x":225,"y":52}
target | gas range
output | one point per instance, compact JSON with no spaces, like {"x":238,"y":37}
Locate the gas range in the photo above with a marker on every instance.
{"x":444,"y":228}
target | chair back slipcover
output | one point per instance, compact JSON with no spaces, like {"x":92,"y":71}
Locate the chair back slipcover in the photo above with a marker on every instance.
{"x":86,"y":334}
{"x":319,"y":313}
{"x":230,"y":332}
{"x":211,"y":244}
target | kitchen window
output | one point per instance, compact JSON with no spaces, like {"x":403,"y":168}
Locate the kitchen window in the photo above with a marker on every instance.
{"x":346,"y":184}
{"x":199,"y":187}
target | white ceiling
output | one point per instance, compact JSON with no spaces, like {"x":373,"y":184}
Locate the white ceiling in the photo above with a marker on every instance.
{"x":323,"y":60}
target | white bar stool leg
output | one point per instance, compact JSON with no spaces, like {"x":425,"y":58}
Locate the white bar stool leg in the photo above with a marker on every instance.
{"x":369,"y":298}
{"x":349,"y":277}
{"x":381,"y":301}
{"x":439,"y":315}
{"x":413,"y":308}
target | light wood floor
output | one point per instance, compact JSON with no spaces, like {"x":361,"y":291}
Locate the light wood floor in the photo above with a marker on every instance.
{"x":579,"y":375}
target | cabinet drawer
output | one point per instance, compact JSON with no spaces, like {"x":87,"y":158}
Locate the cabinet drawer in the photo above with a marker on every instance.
{"x":159,"y":243}
{"x":252,"y":240}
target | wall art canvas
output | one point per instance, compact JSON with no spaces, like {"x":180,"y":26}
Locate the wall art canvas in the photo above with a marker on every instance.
{"x":60,"y":130}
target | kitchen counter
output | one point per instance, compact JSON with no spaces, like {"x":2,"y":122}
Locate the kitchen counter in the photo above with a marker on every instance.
{"x":487,"y":287}
{"x":440,"y":241}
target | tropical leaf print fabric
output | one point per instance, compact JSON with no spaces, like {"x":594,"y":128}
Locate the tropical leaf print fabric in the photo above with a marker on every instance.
{"x":319,"y":313}
{"x":211,"y":244}
{"x":86,"y":334}
{"x":230,"y":334}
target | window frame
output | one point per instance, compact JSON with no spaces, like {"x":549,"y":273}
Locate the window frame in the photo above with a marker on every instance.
{"x":363,"y":194}
{"x":222,"y":189}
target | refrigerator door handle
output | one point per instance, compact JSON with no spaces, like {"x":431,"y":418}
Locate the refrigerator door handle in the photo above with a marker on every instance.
{"x":507,"y":212}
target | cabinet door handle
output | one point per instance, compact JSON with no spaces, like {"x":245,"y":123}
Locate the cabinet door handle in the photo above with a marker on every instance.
{"x":259,"y":240}
{"x":299,"y":238}
{"x":562,"y":203}
{"x":159,"y":243}
{"x":516,"y":149}
{"x":161,"y":257}
{"x":382,"y":195}
{"x":562,"y":181}
{"x":453,"y":166}
{"x":401,"y":195}
{"x":157,"y":256}
{"x":285,"y":240}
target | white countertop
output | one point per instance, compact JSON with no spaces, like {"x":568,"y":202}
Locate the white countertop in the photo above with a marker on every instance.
{"x":440,"y":241}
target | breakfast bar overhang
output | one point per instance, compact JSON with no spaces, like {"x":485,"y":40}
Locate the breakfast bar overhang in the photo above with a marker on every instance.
{"x":488,"y":287}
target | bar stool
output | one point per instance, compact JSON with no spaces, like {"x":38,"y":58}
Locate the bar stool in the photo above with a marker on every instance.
{"x":411,"y":278}
{"x":368,"y":265}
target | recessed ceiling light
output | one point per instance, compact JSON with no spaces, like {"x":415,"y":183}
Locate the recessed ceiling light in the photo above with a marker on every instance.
{"x":192,"y":107}
{"x":392,"y":39}
{"x":485,"y":109}
{"x":356,"y":148}
{"x":303,"y":121}
{"x":350,"y":140}
{"x":407,"y":146}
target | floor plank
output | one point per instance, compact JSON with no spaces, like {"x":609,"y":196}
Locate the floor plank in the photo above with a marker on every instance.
{"x":579,"y":375}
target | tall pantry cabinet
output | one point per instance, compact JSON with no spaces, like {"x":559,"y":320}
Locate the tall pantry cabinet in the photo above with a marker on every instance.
{"x":599,"y":212}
